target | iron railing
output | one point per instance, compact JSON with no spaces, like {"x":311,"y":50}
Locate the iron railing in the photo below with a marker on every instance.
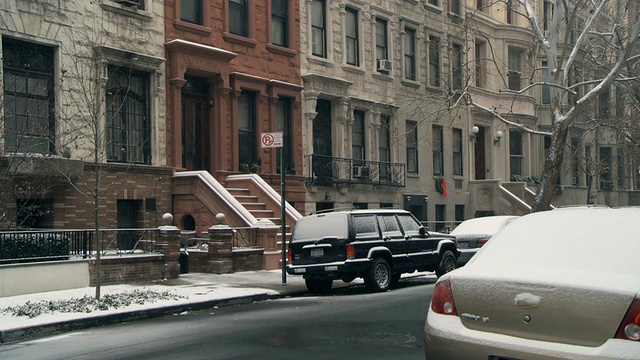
{"x":245,"y":237}
{"x":329,"y":170}
{"x":444,"y":227}
{"x":39,"y":245}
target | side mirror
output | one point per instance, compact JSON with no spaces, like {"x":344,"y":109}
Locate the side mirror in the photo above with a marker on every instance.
{"x":423,"y":231}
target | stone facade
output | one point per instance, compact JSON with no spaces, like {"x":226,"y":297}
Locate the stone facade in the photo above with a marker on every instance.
{"x":89,"y":44}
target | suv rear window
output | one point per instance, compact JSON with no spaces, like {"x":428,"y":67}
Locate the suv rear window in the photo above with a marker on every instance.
{"x":409,"y":224}
{"x":317,"y":227}
{"x":365,"y":226}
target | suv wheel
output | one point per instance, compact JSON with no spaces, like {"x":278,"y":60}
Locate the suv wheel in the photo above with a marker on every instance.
{"x":447,"y":263}
{"x":318,"y":286}
{"x":378,"y":278}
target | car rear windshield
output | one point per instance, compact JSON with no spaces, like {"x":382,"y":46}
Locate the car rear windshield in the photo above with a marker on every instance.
{"x":317,"y":227}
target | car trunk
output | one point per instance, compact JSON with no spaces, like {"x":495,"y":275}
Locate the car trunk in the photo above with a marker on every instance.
{"x":564,"y":311}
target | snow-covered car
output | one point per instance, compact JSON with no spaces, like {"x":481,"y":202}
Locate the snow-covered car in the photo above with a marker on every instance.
{"x":473,"y":233}
{"x":559,"y":284}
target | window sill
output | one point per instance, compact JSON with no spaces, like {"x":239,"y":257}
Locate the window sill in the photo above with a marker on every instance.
{"x":280,"y":50}
{"x":353,"y":69}
{"x":434,"y":8}
{"x":192,"y":28}
{"x":410,"y":83}
{"x":413,"y":175}
{"x":240,"y":40}
{"x":434,"y":88}
{"x":134,"y":12}
{"x":319,"y":60}
{"x":380,"y":76}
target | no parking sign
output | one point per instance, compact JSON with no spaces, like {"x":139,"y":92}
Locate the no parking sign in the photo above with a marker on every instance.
{"x":271,"y":140}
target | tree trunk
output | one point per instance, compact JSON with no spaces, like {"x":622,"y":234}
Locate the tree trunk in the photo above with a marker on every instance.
{"x":552,"y":167}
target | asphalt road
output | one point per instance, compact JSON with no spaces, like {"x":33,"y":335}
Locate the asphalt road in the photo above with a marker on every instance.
{"x":347,"y":324}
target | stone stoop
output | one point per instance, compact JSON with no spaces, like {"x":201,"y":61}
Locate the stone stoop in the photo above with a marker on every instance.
{"x":250,"y":199}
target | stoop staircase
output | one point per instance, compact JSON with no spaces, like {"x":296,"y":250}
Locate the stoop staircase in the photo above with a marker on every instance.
{"x":247,"y":202}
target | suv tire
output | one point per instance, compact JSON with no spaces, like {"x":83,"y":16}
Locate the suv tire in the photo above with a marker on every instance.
{"x":447,"y":263}
{"x":378,"y":278}
{"x":318,"y":286}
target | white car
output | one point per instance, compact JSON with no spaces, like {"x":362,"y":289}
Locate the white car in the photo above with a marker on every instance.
{"x":560,"y":284}
{"x":472,"y":234}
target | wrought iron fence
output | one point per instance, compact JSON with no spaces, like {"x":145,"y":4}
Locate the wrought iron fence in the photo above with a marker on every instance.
{"x":328,"y":170}
{"x":40,"y":245}
{"x":245,"y":237}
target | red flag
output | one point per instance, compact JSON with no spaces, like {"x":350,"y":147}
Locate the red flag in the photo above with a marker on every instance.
{"x":444,"y":188}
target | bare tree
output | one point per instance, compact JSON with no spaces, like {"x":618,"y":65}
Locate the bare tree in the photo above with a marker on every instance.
{"x":590,"y":45}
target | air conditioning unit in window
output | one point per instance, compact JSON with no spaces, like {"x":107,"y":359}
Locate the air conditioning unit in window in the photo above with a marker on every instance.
{"x":384,"y":66}
{"x":130,"y":3}
{"x":361,"y":172}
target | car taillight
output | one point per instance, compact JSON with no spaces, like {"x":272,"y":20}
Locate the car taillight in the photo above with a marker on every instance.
{"x":351,"y":252}
{"x":289,"y":255}
{"x":481,"y":242}
{"x":630,"y":327}
{"x":442,"y":300}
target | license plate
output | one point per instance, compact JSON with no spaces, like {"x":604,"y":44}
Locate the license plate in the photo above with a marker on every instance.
{"x":317,"y":253}
{"x":463,"y":245}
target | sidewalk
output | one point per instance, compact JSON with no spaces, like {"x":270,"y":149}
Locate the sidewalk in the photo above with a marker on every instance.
{"x":197,"y":291}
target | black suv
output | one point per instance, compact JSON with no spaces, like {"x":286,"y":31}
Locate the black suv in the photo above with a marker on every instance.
{"x":377,"y":245}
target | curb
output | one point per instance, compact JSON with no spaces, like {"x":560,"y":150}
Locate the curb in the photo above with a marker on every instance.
{"x":32,"y":332}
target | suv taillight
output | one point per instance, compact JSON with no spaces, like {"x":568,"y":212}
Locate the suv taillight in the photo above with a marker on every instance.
{"x":630,"y":327}
{"x":481,"y":242}
{"x":442,"y":300}
{"x":351,"y":252}
{"x":289,"y":255}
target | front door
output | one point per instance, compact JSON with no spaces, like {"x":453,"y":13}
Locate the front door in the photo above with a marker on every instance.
{"x":195,"y":109}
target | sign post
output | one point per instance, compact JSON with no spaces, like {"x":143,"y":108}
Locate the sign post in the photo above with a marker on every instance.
{"x":275,"y":140}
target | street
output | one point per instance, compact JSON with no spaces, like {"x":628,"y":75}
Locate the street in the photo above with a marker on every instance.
{"x":348,"y":323}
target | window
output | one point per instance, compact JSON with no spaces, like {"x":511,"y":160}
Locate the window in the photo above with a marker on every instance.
{"x":384,"y":147}
{"x":459,"y":213}
{"x":357,"y":137}
{"x":29,"y":97}
{"x":139,"y":4}
{"x":436,"y":144}
{"x":365,"y":226}
{"x":412,"y":147}
{"x":546,"y":93}
{"x":455,"y":7}
{"x":575,"y":166}
{"x":515,"y":69}
{"x":480,"y":5}
{"x":481,"y":77}
{"x":605,"y":168}
{"x":318,"y":29}
{"x":280,"y":22}
{"x":191,"y":11}
{"x":128,"y":126}
{"x":34,"y":213}
{"x":434,"y":61}
{"x":512,"y":12}
{"x":389,"y":226}
{"x":433,"y":2}
{"x":409,"y":54}
{"x":239,"y":17}
{"x":456,"y":66}
{"x":247,"y":128}
{"x":621,"y":168}
{"x":547,"y":10}
{"x":351,"y":37}
{"x":441,"y":217}
{"x":382,"y":52}
{"x":457,"y":152}
{"x":283,"y":124}
{"x":603,"y":104}
{"x":515,"y":152}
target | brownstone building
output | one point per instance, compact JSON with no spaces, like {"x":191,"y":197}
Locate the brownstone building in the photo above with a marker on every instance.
{"x":233,"y":73}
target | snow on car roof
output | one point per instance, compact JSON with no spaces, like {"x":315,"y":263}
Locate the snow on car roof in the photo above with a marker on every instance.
{"x":483,"y":225}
